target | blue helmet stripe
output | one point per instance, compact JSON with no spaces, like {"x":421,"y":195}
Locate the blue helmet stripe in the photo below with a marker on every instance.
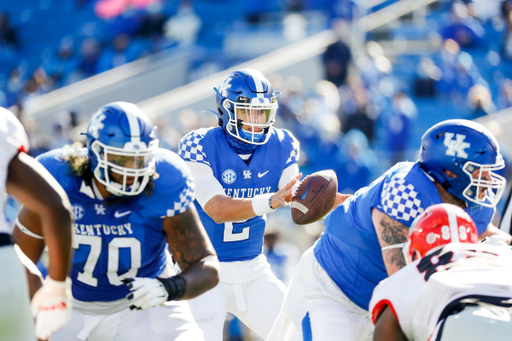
{"x":258,"y":82}
{"x":129,"y":109}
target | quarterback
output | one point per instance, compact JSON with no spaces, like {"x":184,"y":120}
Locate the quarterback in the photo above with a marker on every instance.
{"x":244,"y":169}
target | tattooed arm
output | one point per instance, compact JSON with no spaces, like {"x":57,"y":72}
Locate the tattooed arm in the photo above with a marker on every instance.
{"x":190,"y":244}
{"x":390,"y":232}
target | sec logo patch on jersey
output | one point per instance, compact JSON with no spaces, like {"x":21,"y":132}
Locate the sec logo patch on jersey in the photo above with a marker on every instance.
{"x":229,"y":176}
{"x":78,"y":212}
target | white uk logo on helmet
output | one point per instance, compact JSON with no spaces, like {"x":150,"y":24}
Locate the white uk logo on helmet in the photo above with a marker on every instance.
{"x":96,"y":124}
{"x":456,"y":147}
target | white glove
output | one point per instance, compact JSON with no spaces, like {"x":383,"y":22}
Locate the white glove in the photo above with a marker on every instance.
{"x":50,"y":307}
{"x":146,"y":292}
{"x":497,"y":240}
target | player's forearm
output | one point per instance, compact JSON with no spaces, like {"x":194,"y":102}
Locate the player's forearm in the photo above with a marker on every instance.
{"x":200,"y":277}
{"x":224,"y":209}
{"x":493,"y":230}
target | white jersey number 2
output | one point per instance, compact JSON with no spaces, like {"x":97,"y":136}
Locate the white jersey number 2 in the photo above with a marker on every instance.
{"x":113,"y":258}
{"x":229,"y":236}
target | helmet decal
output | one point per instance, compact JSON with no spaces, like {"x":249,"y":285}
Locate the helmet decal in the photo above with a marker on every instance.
{"x":456,"y":147}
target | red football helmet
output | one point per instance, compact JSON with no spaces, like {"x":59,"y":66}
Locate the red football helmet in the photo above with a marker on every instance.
{"x":438,"y":225}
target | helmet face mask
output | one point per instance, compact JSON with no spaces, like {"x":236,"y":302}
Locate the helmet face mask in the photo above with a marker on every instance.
{"x":247,"y":106}
{"x":483,"y":179}
{"x":121,"y":144}
{"x":471,"y":154}
{"x":438,"y":225}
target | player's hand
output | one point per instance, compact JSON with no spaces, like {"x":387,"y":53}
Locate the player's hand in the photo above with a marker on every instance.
{"x":50,"y":307}
{"x":340,"y":199}
{"x":285,"y":194}
{"x":145,"y":292}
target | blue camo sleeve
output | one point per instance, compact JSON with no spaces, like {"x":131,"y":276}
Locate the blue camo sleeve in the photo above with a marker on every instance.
{"x":174,"y":189}
{"x":401,"y":200}
{"x":190,"y":148}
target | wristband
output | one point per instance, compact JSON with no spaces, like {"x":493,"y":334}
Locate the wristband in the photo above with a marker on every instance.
{"x":175,"y":287}
{"x":262,"y":204}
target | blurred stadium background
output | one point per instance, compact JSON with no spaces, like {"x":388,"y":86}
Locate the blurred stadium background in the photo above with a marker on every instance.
{"x":360,"y":80}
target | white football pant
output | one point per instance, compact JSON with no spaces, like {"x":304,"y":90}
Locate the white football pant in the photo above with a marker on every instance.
{"x":16,"y":322}
{"x":256,"y":303}
{"x":173,"y":321}
{"x":330,"y":314}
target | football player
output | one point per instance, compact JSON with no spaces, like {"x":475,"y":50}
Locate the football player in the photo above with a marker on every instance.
{"x":451,"y":289}
{"x":30,"y":183}
{"x":244,"y":169}
{"x":329,"y":295}
{"x":130,"y":200}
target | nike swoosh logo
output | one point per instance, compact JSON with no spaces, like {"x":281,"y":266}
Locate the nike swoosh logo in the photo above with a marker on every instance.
{"x":261,"y":174}
{"x":303,"y":196}
{"x":119,"y":215}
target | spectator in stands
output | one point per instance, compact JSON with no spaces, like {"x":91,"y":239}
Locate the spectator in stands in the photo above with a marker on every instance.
{"x":399,"y":126}
{"x":337,"y":56}
{"x":184,"y":26}
{"x":64,"y":64}
{"x":461,"y":27}
{"x":427,"y":73}
{"x":15,"y":84}
{"x":89,"y":54}
{"x":480,"y":102}
{"x":505,"y":95}
{"x":8,"y":34}
{"x":361,"y":117}
{"x":35,"y":86}
{"x":506,"y":48}
{"x":152,"y":25}
{"x":347,"y":10}
{"x":360,"y":165}
{"x":116,"y":55}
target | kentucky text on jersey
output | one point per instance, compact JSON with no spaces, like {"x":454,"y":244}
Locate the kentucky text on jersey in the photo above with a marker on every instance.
{"x":251,"y":192}
{"x":102,"y":229}
{"x":120,"y":238}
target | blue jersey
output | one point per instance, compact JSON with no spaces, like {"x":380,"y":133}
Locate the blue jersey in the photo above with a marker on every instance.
{"x":123,"y":238}
{"x":349,"y":249}
{"x":237,"y":241}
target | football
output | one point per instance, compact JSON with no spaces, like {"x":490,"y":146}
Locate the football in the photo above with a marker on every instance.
{"x":315,"y":197}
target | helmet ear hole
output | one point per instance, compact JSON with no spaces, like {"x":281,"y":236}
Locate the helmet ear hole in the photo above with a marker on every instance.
{"x":219,"y":121}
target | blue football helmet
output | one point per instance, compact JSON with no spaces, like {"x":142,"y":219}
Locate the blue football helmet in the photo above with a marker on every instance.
{"x":121,"y":143}
{"x":471,"y":153}
{"x":247,"y":106}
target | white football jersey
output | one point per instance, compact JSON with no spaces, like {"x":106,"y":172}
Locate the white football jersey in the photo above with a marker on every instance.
{"x":418,"y":293}
{"x":13,"y":139}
